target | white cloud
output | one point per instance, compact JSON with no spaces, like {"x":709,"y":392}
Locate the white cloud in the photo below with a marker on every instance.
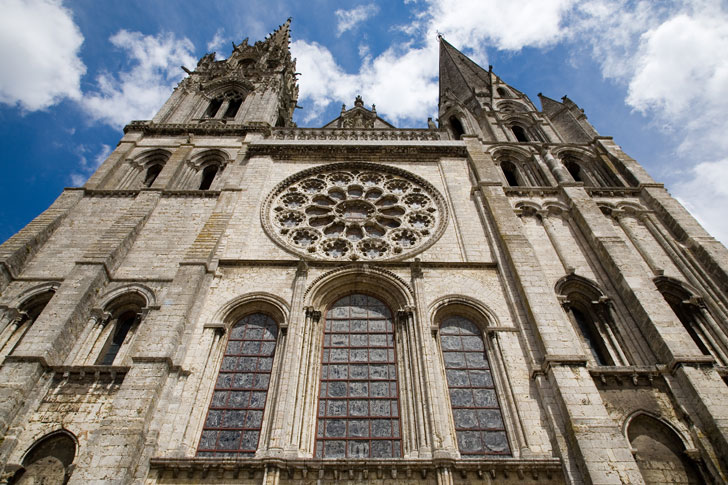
{"x":216,"y":42}
{"x":704,"y":192}
{"x":39,"y":45}
{"x":140,"y":91}
{"x":348,"y":19}
{"x":86,"y":167}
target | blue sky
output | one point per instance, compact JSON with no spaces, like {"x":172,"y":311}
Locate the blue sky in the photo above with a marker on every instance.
{"x":654,"y":75}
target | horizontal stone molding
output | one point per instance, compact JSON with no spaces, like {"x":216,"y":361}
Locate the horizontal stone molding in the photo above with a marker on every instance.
{"x":356,"y":134}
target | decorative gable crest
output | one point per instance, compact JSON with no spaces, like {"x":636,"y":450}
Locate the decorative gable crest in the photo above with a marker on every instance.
{"x":358,"y":117}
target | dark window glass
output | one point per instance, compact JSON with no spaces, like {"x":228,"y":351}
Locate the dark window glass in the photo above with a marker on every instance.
{"x":208,"y":175}
{"x":235,"y":416}
{"x":152,"y":173}
{"x":213,"y":107}
{"x":121,"y":330}
{"x":593,"y":339}
{"x":686,"y":315}
{"x":510,"y":172}
{"x":503,"y":93}
{"x":478,"y":420}
{"x":358,"y":407}
{"x":520,"y":133}
{"x":457,"y":128}
{"x":233,"y":108}
{"x":575,"y":171}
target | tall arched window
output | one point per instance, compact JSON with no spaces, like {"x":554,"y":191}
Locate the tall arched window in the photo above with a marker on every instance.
{"x":208,"y":176}
{"x":519,"y":133}
{"x":152,"y":173}
{"x":48,"y":461}
{"x":660,"y":453}
{"x":235,"y":416}
{"x":457,"y":128}
{"x":509,"y":171}
{"x":213,"y":107}
{"x":696,"y":319}
{"x":358,"y":411}
{"x":475,"y":407}
{"x":28,"y":313}
{"x":122,"y":326}
{"x":593,"y":339}
{"x":225,"y":106}
{"x":575,"y":170}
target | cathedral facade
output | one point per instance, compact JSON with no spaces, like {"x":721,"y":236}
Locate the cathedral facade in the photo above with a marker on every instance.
{"x":502,"y":297}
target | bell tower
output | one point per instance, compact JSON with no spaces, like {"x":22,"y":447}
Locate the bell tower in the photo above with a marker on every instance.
{"x":255,"y":85}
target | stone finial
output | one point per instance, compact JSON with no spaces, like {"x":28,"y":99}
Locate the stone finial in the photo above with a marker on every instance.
{"x":358,"y":102}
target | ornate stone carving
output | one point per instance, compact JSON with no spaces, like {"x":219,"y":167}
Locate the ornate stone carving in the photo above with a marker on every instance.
{"x":354,"y":211}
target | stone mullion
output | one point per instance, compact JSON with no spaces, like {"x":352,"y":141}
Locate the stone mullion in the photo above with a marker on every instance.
{"x":202,"y":388}
{"x":89,"y":336}
{"x":274,"y":402}
{"x":291,"y":380}
{"x":434,"y":390}
{"x":172,"y":167}
{"x":406,"y":389}
{"x":587,"y":419}
{"x":665,"y":333}
{"x":421,"y":401}
{"x":305,"y":426}
{"x":17,"y":251}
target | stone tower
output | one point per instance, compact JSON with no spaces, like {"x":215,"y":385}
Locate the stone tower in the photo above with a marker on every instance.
{"x":505,"y":298}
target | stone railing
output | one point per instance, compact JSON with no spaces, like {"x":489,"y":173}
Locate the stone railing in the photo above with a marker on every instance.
{"x":355,"y":134}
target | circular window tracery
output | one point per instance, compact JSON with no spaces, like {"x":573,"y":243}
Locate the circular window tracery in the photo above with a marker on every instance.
{"x":354,"y":211}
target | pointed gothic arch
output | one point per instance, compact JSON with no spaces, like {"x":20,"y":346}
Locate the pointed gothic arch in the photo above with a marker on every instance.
{"x":48,"y":460}
{"x":20,"y":317}
{"x":591,"y":314}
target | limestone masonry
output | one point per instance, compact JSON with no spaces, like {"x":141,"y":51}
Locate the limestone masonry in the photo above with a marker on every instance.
{"x":505,"y":297}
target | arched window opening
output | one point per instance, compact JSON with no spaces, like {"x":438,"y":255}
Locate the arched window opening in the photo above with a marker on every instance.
{"x":124,"y":324}
{"x":28,"y":313}
{"x":213,"y":108}
{"x":592,"y":337}
{"x":235,"y":416}
{"x":358,"y":411}
{"x":208,"y":176}
{"x":509,"y":170}
{"x":575,"y":170}
{"x":660,"y":453}
{"x":152,"y":174}
{"x":519,"y":133}
{"x":49,"y":461}
{"x":503,"y":93}
{"x":457,"y":128}
{"x":695,"y":318}
{"x":474,"y":401}
{"x":233,"y":108}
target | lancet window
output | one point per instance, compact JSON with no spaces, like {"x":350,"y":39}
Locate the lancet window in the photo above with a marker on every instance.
{"x":235,"y":416}
{"x":358,"y":407}
{"x":474,"y":401}
{"x":17,"y":324}
{"x":224,"y":106}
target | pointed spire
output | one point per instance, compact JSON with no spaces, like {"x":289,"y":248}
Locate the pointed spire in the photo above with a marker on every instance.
{"x":282,"y":35}
{"x":460,"y":74}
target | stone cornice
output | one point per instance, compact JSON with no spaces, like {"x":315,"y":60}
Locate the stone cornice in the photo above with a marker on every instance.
{"x":206,"y":128}
{"x":388,"y":151}
{"x":496,"y":467}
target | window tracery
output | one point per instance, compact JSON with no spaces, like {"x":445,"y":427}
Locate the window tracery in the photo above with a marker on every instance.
{"x":476,"y":410}
{"x":235,"y":416}
{"x":358,"y":406}
{"x":354,"y":211}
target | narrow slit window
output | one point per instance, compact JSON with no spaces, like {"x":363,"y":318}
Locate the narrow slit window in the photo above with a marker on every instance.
{"x":476,"y":410}
{"x":592,"y":337}
{"x":123,"y":325}
{"x":233,"y":107}
{"x":208,"y":176}
{"x":235,"y":416}
{"x":213,"y":107}
{"x":575,"y":171}
{"x":509,"y":170}
{"x":519,"y":133}
{"x":358,"y":407}
{"x":457,"y":128}
{"x":152,"y":174}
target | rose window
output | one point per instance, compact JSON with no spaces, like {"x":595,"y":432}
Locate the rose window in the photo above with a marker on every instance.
{"x":354,"y":212}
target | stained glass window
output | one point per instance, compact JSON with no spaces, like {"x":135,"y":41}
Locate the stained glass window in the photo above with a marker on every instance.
{"x":358,"y":407}
{"x":235,"y":416}
{"x":475,"y":408}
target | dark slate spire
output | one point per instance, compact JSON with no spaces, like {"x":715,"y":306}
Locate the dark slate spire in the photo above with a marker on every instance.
{"x":460,"y":75}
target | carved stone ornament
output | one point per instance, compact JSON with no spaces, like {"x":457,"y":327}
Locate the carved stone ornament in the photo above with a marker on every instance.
{"x":354,"y":211}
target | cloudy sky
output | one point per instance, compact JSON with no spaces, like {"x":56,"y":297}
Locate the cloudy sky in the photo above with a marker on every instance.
{"x":652,"y":74}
